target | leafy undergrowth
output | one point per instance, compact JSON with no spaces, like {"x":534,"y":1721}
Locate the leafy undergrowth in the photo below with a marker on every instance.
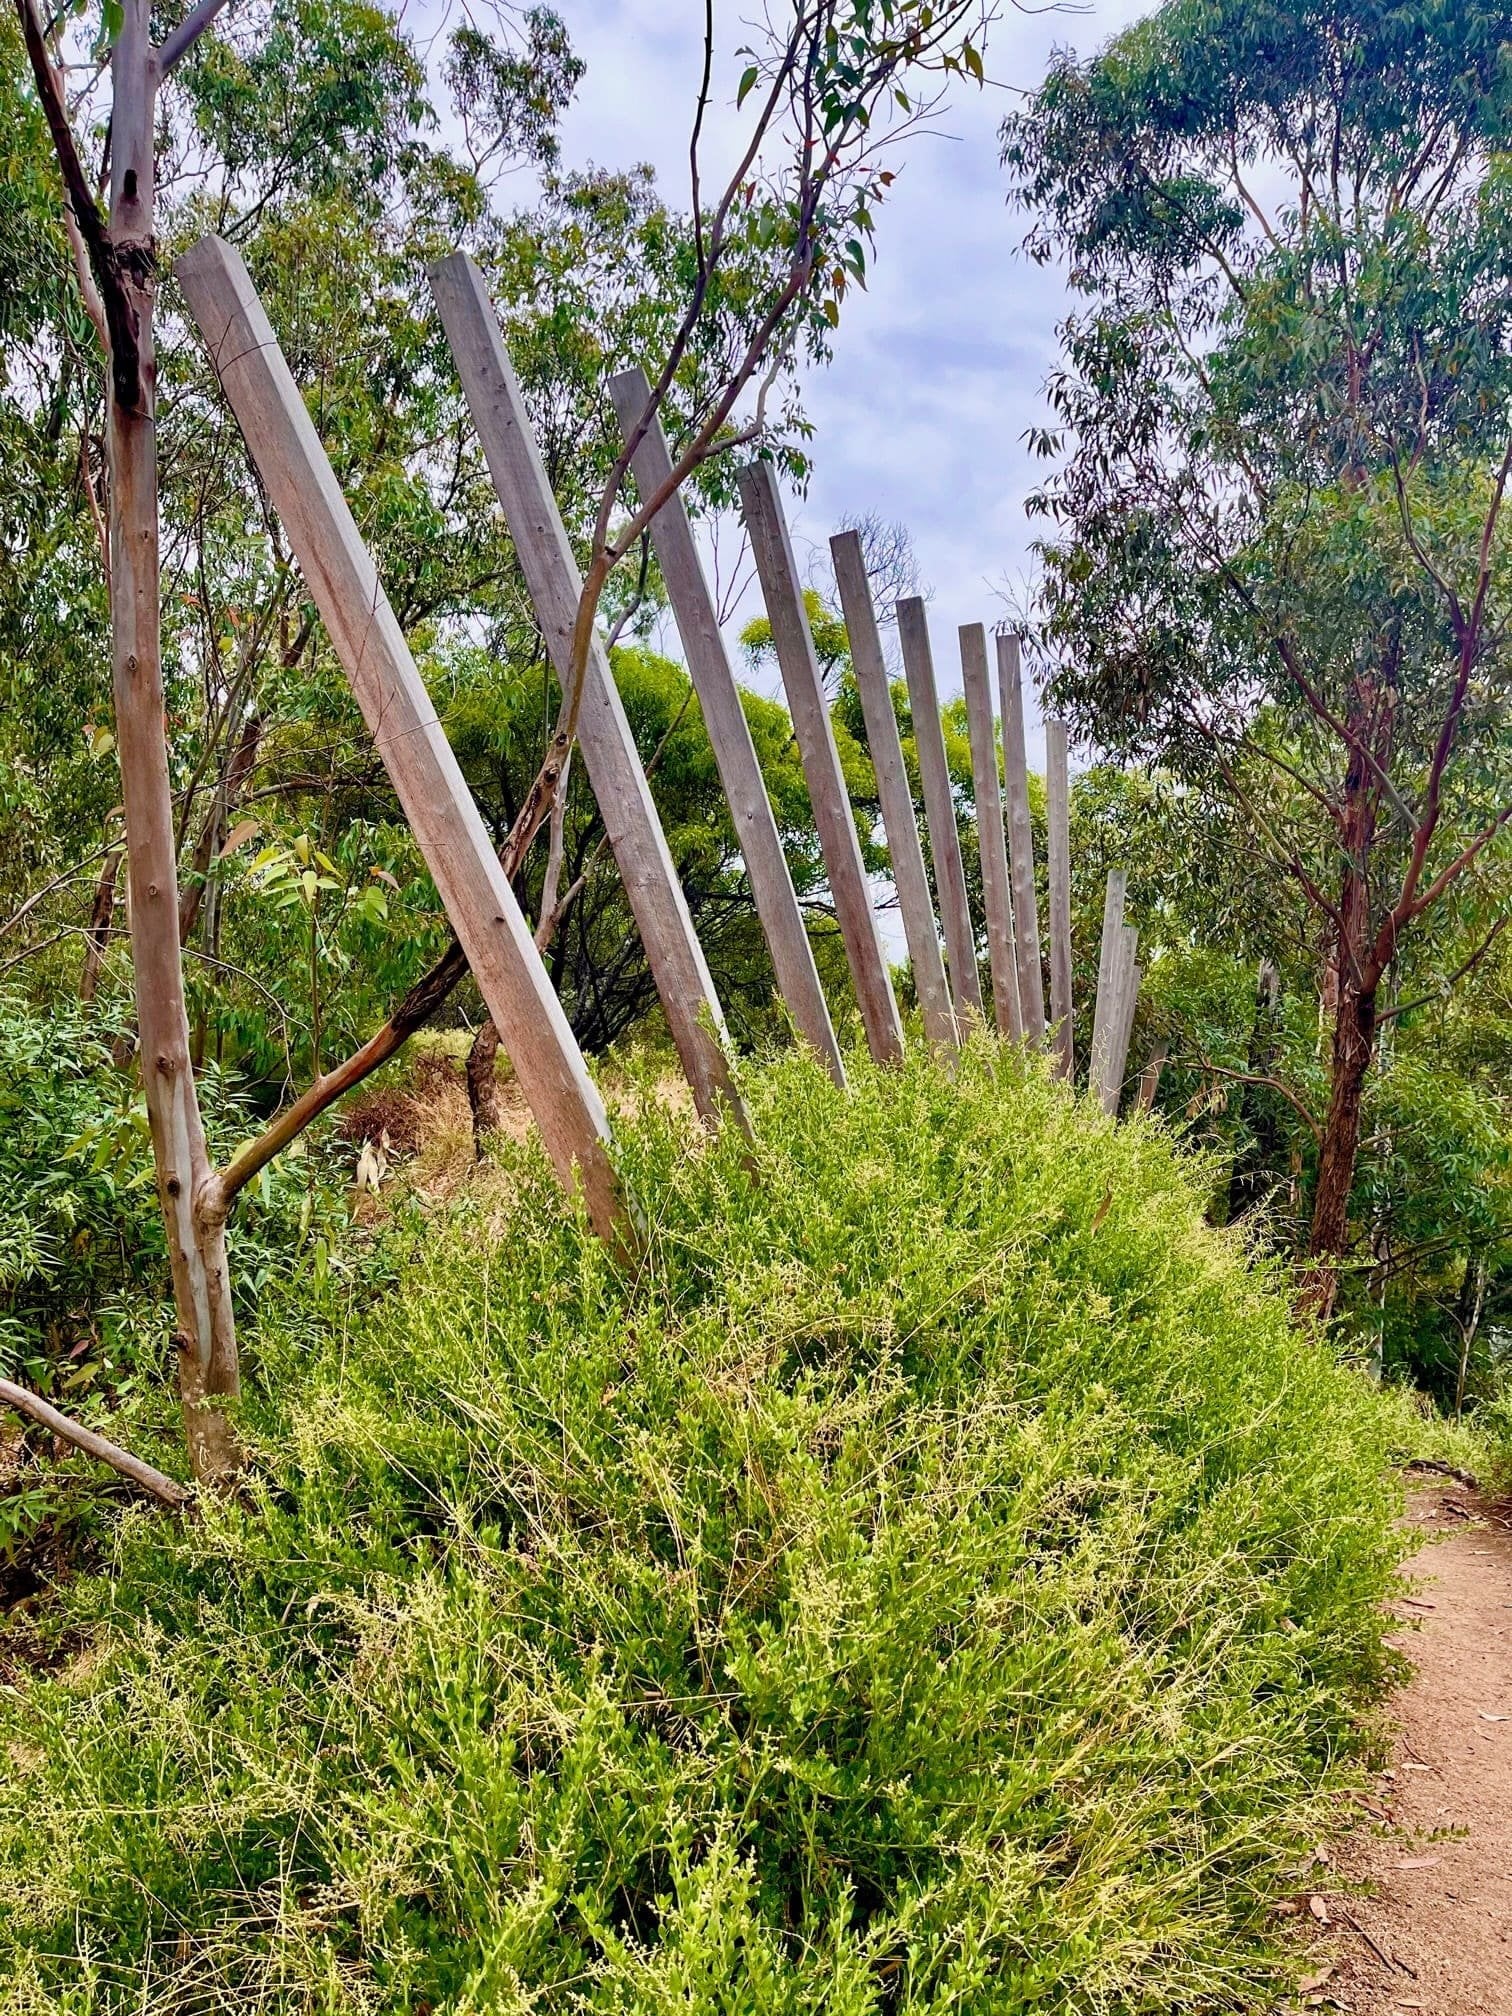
{"x":934,"y":1578}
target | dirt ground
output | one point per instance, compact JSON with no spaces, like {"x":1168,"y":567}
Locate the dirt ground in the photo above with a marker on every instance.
{"x":1432,"y":1929}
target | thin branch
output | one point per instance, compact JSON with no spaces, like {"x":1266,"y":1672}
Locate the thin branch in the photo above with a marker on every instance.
{"x":177,"y":43}
{"x":1452,"y":981}
{"x":175,"y":1496}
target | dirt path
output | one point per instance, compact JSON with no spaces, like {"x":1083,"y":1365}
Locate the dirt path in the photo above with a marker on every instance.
{"x":1434,"y":1932}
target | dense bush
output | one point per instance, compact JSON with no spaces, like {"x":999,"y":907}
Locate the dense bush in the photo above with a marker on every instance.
{"x":84,"y":1289}
{"x":935,"y":1577}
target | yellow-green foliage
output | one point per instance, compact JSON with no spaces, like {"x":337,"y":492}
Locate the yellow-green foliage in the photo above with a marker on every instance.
{"x":935,"y":1578}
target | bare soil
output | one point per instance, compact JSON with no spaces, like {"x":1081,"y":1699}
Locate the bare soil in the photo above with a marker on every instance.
{"x":1419,"y":1906}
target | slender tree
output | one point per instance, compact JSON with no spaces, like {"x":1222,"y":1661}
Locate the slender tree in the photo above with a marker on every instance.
{"x":1278,"y":562}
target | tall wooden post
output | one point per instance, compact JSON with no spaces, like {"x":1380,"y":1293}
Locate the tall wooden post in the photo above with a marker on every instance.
{"x":448,"y":827}
{"x":683,"y":982}
{"x":729,"y":732}
{"x":906,"y":854}
{"x":1126,"y":999}
{"x":767,"y":526}
{"x":997,"y":895}
{"x":1108,"y":955}
{"x":1058,"y":796}
{"x":1026,"y":939}
{"x":939,"y":809}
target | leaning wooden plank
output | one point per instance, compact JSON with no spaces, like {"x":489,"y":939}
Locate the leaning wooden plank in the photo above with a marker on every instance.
{"x":997,"y":894}
{"x":939,"y":809}
{"x":1107,"y":975}
{"x":909,"y":877}
{"x":762,"y":509}
{"x":447,"y":825}
{"x":1058,"y":795}
{"x":729,"y":732}
{"x":614,"y":768}
{"x":1123,"y":990}
{"x":1026,"y":938}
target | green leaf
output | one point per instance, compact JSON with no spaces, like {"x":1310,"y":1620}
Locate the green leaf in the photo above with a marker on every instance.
{"x":747,"y":85}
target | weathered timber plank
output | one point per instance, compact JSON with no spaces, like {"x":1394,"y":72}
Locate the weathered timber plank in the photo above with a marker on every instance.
{"x":615,"y":771}
{"x":767,"y":526}
{"x":997,"y":894}
{"x":1058,"y":796}
{"x":447,"y":825}
{"x":1026,"y":938}
{"x":939,"y":809}
{"x":729,"y":732}
{"x":907,"y":855}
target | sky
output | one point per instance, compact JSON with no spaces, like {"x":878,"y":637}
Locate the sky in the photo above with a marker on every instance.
{"x":938,"y":367}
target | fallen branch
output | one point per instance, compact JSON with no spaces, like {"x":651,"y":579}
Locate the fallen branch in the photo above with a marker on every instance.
{"x":164,"y":1489}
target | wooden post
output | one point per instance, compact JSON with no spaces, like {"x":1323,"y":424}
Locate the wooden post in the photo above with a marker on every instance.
{"x":447,"y":825}
{"x":1026,"y":938}
{"x":762,"y":508}
{"x":1107,"y":974}
{"x":939,"y":809}
{"x":907,"y":856}
{"x":1058,"y":794}
{"x":729,"y":732}
{"x":615,"y":772}
{"x":997,"y":895}
{"x":1125,"y":993}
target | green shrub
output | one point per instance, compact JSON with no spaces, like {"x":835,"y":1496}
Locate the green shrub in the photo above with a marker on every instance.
{"x":935,"y":1577}
{"x":84,"y":1288}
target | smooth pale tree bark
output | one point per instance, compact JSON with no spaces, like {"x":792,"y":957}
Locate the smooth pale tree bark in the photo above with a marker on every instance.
{"x":1058,"y":796}
{"x":997,"y":894}
{"x":684,"y":984}
{"x":1108,"y":955}
{"x":167,"y":1490}
{"x":1026,"y":939}
{"x":939,"y":810}
{"x":904,"y":850}
{"x":206,"y":1330}
{"x":703,"y":645}
{"x":447,"y":825}
{"x":794,"y":645}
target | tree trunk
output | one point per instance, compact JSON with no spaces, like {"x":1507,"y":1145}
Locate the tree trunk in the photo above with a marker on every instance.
{"x":1353,"y":1050}
{"x":206,"y":1333}
{"x":483,"y":1083}
{"x":98,"y":935}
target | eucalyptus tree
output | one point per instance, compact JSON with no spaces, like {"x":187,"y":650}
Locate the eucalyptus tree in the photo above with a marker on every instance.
{"x":1276,"y":559}
{"x":307,"y":132}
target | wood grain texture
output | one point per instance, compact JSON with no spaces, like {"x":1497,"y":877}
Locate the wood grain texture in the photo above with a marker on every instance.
{"x":1124,"y":983}
{"x":1108,"y":955}
{"x":683,"y":982}
{"x":910,"y":878}
{"x":939,"y":809}
{"x":1058,"y":850}
{"x":447,"y":826}
{"x":997,"y":893}
{"x":782,"y":921}
{"x":1026,"y":938}
{"x":767,"y":526}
